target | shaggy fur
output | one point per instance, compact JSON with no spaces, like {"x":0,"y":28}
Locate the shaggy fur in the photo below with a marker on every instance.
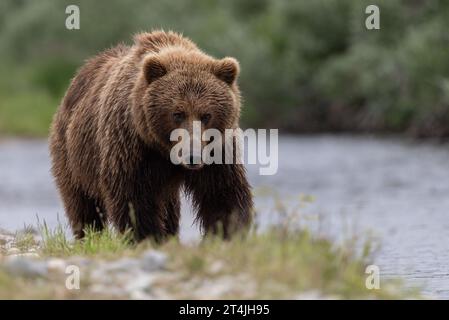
{"x":110,"y":139}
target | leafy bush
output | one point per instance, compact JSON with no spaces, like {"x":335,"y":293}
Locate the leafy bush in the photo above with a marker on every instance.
{"x":306,"y":65}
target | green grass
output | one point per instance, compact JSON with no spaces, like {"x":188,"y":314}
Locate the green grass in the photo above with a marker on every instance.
{"x":106,"y":244}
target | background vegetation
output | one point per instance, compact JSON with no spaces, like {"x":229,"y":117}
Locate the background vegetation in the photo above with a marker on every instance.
{"x":307,"y":66}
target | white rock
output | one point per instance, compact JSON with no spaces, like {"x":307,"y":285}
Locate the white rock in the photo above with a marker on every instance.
{"x":141,"y":283}
{"x":56,"y":265}
{"x":4,"y":239}
{"x":98,"y":275}
{"x":26,"y":267}
{"x":314,"y":295}
{"x":216,"y":267}
{"x":216,"y":288}
{"x":80,"y":261}
{"x":12,"y":251}
{"x":121,"y":265}
{"x":153,"y":260}
{"x":102,"y":289}
{"x":141,"y":287}
{"x":140,"y":295}
{"x":26,"y":255}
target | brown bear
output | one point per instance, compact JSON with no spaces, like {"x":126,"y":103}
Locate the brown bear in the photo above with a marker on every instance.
{"x":110,"y":140}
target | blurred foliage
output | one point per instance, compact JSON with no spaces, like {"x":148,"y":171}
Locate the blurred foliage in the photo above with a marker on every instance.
{"x":306,"y":65}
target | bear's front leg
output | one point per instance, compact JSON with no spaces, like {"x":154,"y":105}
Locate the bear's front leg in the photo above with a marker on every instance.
{"x":131,"y":205}
{"x":222,"y":197}
{"x":140,"y":215}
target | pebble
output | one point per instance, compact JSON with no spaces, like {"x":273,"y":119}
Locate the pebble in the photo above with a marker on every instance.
{"x":140,"y":283}
{"x":102,"y":289}
{"x":80,"y":261}
{"x":26,"y":267}
{"x":216,"y":267}
{"x":25,"y":254}
{"x":153,"y":260}
{"x":314,"y":295}
{"x":121,"y":265}
{"x":56,"y":265}
{"x":12,"y":251}
{"x":4,"y":239}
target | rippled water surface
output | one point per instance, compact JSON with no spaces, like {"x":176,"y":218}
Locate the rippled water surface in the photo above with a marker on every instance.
{"x":399,"y":191}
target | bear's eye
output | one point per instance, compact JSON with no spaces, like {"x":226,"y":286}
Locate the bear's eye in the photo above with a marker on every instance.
{"x":205,"y":118}
{"x":179,"y":116}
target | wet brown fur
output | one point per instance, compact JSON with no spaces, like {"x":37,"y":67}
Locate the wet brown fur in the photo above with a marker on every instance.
{"x":110,"y":140}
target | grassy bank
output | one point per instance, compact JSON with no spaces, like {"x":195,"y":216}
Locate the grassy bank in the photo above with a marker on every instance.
{"x":278,"y":263}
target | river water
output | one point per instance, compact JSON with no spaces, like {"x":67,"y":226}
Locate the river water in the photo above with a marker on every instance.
{"x":395,"y":190}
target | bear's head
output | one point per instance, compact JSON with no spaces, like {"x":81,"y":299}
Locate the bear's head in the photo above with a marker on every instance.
{"x":185,"y":89}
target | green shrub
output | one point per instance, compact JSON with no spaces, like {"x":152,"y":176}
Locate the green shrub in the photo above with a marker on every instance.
{"x":306,"y":65}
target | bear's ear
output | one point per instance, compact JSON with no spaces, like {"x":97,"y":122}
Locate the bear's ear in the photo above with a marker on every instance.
{"x":227,"y":69}
{"x":153,"y":69}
